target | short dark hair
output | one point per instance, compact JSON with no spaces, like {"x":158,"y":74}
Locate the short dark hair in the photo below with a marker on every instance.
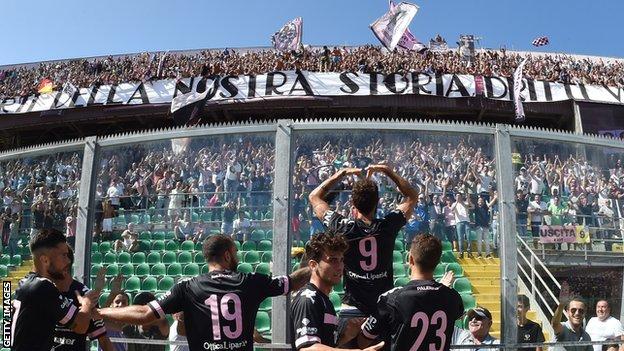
{"x":524,"y":300}
{"x":577,"y":299}
{"x":215,"y":247}
{"x":365,"y":195}
{"x":426,"y":251}
{"x":70,"y":254}
{"x":46,"y":239}
{"x":328,"y":241}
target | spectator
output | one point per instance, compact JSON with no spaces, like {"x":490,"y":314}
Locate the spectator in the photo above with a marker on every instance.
{"x":227,"y":226}
{"x":536,"y":210}
{"x":129,"y":240}
{"x":177,"y":332}
{"x":241,"y":227}
{"x":482,"y":224}
{"x":571,"y":330}
{"x":156,"y":330}
{"x":460,"y":209}
{"x":521,"y":212}
{"x":478,"y":333}
{"x":528,"y":331}
{"x":605,"y":327}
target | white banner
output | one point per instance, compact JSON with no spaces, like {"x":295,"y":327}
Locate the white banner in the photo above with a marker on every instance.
{"x":303,"y":83}
{"x":390,"y":27}
{"x":520,"y":117}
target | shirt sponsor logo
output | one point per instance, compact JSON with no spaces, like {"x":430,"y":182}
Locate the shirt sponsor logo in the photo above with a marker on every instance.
{"x":225,"y":345}
{"x":368,"y":276}
{"x":310,"y":294}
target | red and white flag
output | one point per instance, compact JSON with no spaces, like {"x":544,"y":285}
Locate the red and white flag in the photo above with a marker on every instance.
{"x":541,"y":41}
{"x":390,"y":27}
{"x":289,"y":36}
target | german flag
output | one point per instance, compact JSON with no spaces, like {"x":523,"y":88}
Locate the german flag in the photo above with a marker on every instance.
{"x":45,"y":86}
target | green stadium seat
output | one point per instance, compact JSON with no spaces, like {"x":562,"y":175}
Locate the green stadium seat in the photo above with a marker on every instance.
{"x":158,"y":270}
{"x":110,"y":258}
{"x":170,"y":235}
{"x":268,"y":234}
{"x":187,"y":246}
{"x":169,"y":257}
{"x":206,"y":217}
{"x":191,"y":269}
{"x":266,"y":305}
{"x":199,"y":257}
{"x":133,"y":284}
{"x":94,"y":269}
{"x":172,"y":245}
{"x":105,"y":246}
{"x":401,"y":281}
{"x":397,"y":257}
{"x":462,"y":286}
{"x":135,"y":219}
{"x":249,"y":246}
{"x":398,"y":245}
{"x":398,"y":269}
{"x":138,"y":258}
{"x":127,"y":270}
{"x":144,"y":245}
{"x":158,"y":236}
{"x":204,"y":269}
{"x":96,"y":258}
{"x":456,"y":268}
{"x":266,"y":257}
{"x":448,"y":257}
{"x":252,"y":257}
{"x":339,"y":288}
{"x":439,"y":270}
{"x":5,"y":260}
{"x":166,"y":283}
{"x":195,"y":217}
{"x":4,"y":271}
{"x":145,"y":235}
{"x":263,"y":322}
{"x":239,"y":255}
{"x":198,"y":246}
{"x":149,"y":284}
{"x":244,"y":268}
{"x":174,"y":270}
{"x":335,"y":300}
{"x":102,"y":299}
{"x":153,"y":258}
{"x":469,"y":301}
{"x":265,"y":246}
{"x":263,"y":268}
{"x":142,"y":270}
{"x":124,"y":257}
{"x":447,"y":246}
{"x":237,"y":244}
{"x":158,"y":245}
{"x":94,"y":247}
{"x":185,"y":257}
{"x":112,"y":270}
{"x":257,"y":235}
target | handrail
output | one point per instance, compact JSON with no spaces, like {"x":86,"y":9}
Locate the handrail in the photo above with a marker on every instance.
{"x":538,"y":261}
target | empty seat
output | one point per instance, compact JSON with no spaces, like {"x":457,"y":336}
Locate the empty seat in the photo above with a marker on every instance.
{"x":244,"y":268}
{"x":124,"y":257}
{"x":110,"y":258}
{"x":127,"y":270}
{"x":158,"y":245}
{"x":398,"y":269}
{"x":204,"y":269}
{"x":4,"y":271}
{"x":263,"y":268}
{"x":102,"y":299}
{"x":185,"y":257}
{"x":174,"y":270}
{"x":339,"y":288}
{"x":448,"y":257}
{"x":145,"y":235}
{"x":266,"y":257}
{"x":138,"y":258}
{"x":112,"y":270}
{"x":398,"y":245}
{"x":447,"y":246}
{"x":142,"y":270}
{"x":158,"y":236}
{"x":439,"y":270}
{"x":153,"y":258}
{"x":266,"y":304}
{"x":397,"y":257}
{"x":104,"y":247}
{"x":96,"y":258}
{"x":165,"y":283}
{"x":456,"y":268}
{"x":149,"y":284}
{"x":265,"y":246}
{"x":172,"y":245}
{"x":187,"y":246}
{"x":469,"y":301}
{"x":257,"y":235}
{"x":199,"y":257}
{"x":249,"y":246}
{"x":263,"y":322}
{"x":133,"y":284}
{"x":462,"y":286}
{"x":169,"y":257}
{"x":401,"y":281}
{"x":252,"y":257}
{"x":191,"y":269}
{"x":158,"y":269}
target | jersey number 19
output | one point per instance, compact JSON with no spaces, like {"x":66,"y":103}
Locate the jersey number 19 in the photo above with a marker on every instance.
{"x":218,"y":310}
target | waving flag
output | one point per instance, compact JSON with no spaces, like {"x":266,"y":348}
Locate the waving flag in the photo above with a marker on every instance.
{"x":45,"y":86}
{"x":289,"y":36}
{"x":408,"y":41}
{"x":520,"y":117}
{"x":390,"y":27}
{"x":541,"y":41}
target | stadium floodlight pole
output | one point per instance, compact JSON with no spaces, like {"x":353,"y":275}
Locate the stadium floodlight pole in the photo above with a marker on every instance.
{"x":507,"y":232}
{"x":282,"y":237}
{"x":86,"y":206}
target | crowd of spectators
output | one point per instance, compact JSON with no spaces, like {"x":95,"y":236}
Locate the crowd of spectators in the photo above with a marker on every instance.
{"x":23,"y":80}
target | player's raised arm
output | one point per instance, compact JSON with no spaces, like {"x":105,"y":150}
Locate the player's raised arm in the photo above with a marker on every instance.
{"x":410,"y":194}
{"x":317,"y":196}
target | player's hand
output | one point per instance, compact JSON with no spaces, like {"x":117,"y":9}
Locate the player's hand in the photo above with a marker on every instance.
{"x":565,"y":294}
{"x":375,"y":347}
{"x":100,"y":280}
{"x":89,"y":300}
{"x":448,"y":278}
{"x":353,"y":327}
{"x":351,"y":171}
{"x":376,"y":168}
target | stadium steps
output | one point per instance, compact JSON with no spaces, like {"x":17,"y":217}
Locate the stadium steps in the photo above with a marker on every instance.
{"x":484,"y":276}
{"x":18,"y":273}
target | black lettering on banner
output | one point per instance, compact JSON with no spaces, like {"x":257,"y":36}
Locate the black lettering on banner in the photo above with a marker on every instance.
{"x":33,"y":103}
{"x":75,"y":97}
{"x":92,"y":95}
{"x":216,"y":80}
{"x":6,"y":102}
{"x":110,"y":100}
{"x":142,"y":94}
{"x":373,"y":84}
{"x":547,"y":91}
{"x":416,"y":86}
{"x":349,"y":83}
{"x":512,"y":88}
{"x":455,"y":81}
{"x":182,"y":88}
{"x":229,"y":87}
{"x":201,"y":85}
{"x":439,"y":85}
{"x":271,"y":87}
{"x":618,"y":97}
{"x":301,"y":80}
{"x":568,"y":91}
{"x":531,"y":85}
{"x":489,"y":87}
{"x":390,"y":82}
{"x":57,"y":97}
{"x":251,"y":92}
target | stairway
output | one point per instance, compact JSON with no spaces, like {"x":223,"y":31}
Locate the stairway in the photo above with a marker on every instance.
{"x":484,"y":275}
{"x":18,"y":273}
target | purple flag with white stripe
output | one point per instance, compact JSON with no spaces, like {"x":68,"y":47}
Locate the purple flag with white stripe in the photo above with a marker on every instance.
{"x":289,"y":36}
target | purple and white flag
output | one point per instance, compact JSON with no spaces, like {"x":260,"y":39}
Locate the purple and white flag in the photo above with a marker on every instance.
{"x":390,"y":27}
{"x":520,"y":117}
{"x":408,"y":41}
{"x":289,"y":36}
{"x":541,"y":41}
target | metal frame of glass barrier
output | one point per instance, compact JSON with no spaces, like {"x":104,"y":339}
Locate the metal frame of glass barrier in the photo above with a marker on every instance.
{"x":284,"y":144}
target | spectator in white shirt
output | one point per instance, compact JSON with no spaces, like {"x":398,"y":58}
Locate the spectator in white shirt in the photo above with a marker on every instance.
{"x":242,"y":226}
{"x":605,"y":327}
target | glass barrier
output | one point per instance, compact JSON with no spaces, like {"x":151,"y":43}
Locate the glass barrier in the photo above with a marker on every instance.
{"x":455,"y":176}
{"x":37,"y":192}
{"x":569,"y":214}
{"x":157,"y":202}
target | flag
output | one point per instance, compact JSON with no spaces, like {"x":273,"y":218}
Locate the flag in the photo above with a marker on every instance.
{"x":45,"y":86}
{"x":289,"y":36}
{"x":69,"y":89}
{"x":520,"y":117}
{"x":163,"y":57}
{"x":390,"y":27}
{"x":408,"y":41}
{"x":541,"y":41}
